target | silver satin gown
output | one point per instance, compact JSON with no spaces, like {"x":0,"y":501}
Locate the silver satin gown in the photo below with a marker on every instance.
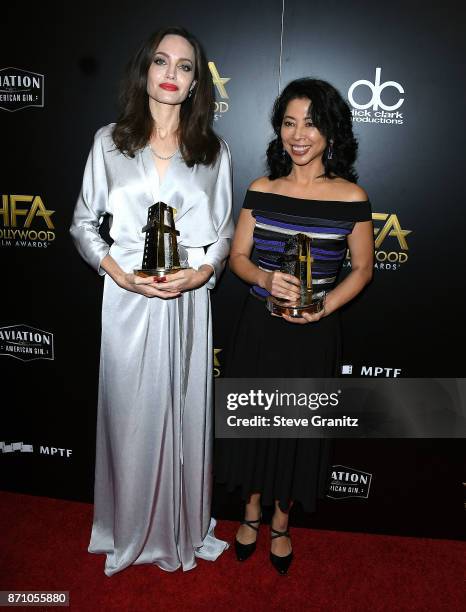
{"x":154,"y":426}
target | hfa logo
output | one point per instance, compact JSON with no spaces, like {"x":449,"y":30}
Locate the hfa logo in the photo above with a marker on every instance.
{"x":389,"y":259}
{"x":219,"y":82}
{"x":391,"y":246}
{"x":391,"y":227}
{"x":376,"y":109}
{"x":25,"y":221}
{"x":217,"y":364}
{"x":392,"y":237}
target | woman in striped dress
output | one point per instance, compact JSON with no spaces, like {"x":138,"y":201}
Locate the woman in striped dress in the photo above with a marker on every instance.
{"x":311,"y":188}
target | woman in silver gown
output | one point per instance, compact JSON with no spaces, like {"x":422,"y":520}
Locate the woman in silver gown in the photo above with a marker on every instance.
{"x":154,"y":427}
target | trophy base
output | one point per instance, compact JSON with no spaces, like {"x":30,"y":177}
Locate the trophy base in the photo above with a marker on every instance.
{"x":281,"y":307}
{"x":158,"y":271}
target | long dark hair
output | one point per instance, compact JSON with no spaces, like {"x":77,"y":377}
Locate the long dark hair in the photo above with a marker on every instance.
{"x":198,"y":142}
{"x":332,"y":117}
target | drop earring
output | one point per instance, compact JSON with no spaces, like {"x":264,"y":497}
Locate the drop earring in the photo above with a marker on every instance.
{"x":330,"y":149}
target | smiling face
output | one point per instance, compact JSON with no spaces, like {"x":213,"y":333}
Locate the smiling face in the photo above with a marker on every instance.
{"x":301,"y":139}
{"x":171,"y":74}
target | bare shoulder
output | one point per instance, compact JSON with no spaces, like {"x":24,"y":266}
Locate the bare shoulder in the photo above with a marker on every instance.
{"x":262,"y":183}
{"x":348,"y":192}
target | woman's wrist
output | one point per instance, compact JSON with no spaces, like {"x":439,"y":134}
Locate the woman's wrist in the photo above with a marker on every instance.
{"x":262,"y":278}
{"x":110,"y":266}
{"x":328,"y":307}
{"x":120,"y":279}
{"x":324,"y":306}
{"x":205,"y":272}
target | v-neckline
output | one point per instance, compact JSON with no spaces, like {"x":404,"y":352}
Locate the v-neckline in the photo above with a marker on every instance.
{"x":152,"y":173}
{"x":167,"y":169}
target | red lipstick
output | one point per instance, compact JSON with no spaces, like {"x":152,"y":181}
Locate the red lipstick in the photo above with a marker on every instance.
{"x":169,"y":86}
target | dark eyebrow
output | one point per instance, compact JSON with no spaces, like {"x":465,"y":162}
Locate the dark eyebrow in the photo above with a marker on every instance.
{"x":294,"y":119}
{"x":289,"y":117}
{"x":181,"y":59}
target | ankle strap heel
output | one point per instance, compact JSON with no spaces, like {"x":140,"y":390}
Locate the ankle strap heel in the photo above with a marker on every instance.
{"x":244,"y":551}
{"x":281,"y":564}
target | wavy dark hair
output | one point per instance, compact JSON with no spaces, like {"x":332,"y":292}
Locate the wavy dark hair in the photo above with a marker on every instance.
{"x":332,"y":117}
{"x":198,"y":142}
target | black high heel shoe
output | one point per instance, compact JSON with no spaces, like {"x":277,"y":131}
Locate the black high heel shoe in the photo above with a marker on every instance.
{"x":281,"y":564}
{"x":244,"y":551}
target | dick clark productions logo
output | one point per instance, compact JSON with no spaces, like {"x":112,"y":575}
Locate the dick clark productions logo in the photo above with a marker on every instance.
{"x":376,"y":108}
{"x":20,"y":89}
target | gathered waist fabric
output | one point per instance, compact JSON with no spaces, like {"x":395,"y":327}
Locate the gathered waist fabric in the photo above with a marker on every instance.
{"x":130,"y":256}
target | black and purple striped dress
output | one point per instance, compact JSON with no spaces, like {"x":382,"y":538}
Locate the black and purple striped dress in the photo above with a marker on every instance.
{"x":263,"y":346}
{"x":327,"y":223}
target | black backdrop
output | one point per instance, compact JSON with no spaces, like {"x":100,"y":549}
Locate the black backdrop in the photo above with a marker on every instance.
{"x":407,"y":323}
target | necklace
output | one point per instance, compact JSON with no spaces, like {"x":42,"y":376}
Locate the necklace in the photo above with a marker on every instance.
{"x":160,"y":156}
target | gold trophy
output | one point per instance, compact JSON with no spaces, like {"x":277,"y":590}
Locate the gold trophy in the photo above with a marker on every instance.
{"x":297,"y":260}
{"x":161,"y":256}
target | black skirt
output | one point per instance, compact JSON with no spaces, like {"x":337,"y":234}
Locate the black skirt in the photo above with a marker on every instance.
{"x":283,"y":469}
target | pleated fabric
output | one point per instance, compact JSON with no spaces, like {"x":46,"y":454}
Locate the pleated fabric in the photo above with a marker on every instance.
{"x":283,"y":469}
{"x":154,"y":431}
{"x":153,"y":476}
{"x":262,"y":346}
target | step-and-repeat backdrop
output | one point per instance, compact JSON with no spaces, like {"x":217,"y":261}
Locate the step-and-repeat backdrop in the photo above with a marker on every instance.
{"x":399,"y":67}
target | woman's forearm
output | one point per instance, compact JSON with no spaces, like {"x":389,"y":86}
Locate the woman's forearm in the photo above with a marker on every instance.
{"x":349,"y":288}
{"x":113,"y":269}
{"x":243,"y":267}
